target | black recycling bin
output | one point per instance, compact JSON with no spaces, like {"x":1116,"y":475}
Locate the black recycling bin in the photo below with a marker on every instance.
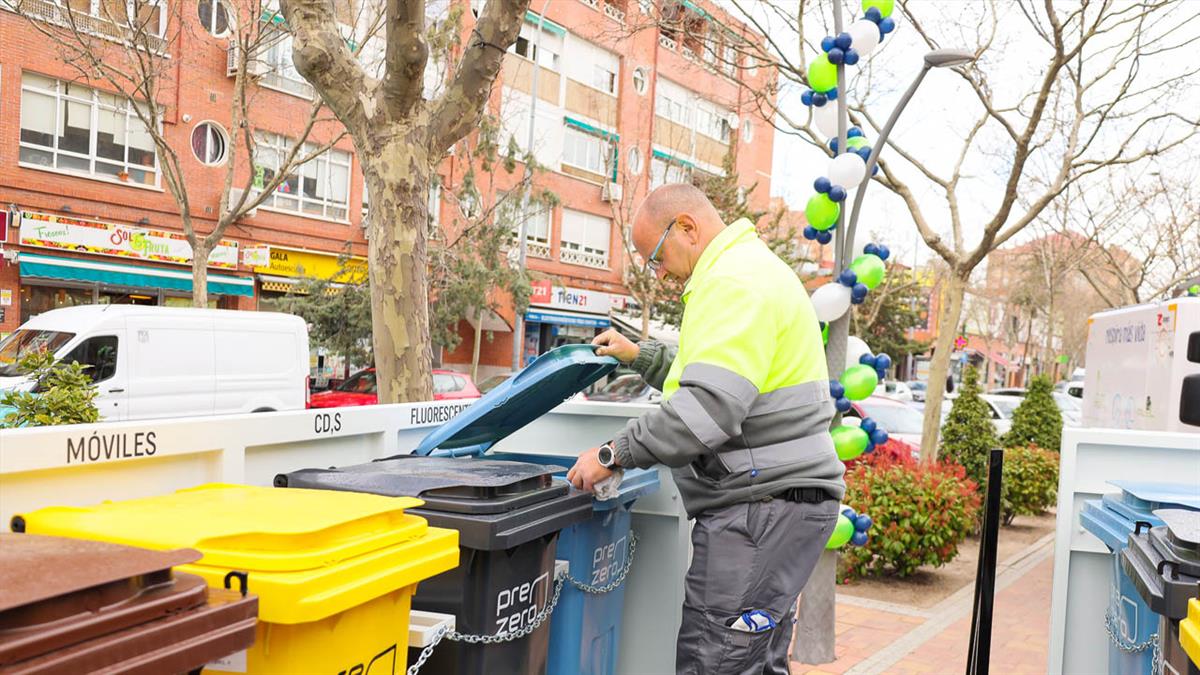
{"x":508,"y":515}
{"x":1164,"y":565}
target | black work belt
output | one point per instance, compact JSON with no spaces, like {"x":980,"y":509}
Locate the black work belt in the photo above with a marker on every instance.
{"x":803,"y":495}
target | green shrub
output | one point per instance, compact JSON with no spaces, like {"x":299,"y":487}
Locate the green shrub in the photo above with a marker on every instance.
{"x":968,"y":435}
{"x":64,"y":394}
{"x":921,"y":514}
{"x":1037,"y":420}
{"x":1030,"y":481}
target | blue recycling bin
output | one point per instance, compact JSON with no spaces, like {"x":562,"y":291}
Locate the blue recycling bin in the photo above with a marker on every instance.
{"x":586,"y":627}
{"x":1130,"y":623}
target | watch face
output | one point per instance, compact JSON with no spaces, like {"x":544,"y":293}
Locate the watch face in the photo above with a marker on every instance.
{"x":605,"y":456}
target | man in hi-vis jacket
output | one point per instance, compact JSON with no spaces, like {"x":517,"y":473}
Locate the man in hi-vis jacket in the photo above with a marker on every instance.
{"x":744,"y":424}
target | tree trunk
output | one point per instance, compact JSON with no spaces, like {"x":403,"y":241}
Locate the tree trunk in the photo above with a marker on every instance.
{"x":1027,"y":371}
{"x":939,"y":366}
{"x":397,"y":175}
{"x":475,"y":349}
{"x":645,"y":321}
{"x":1048,"y":359}
{"x":200,"y":274}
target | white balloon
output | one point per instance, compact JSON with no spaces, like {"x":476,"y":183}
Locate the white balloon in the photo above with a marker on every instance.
{"x":826,"y":119}
{"x":847,"y":170}
{"x":855,"y":348}
{"x":831,"y":301}
{"x":865,"y":36}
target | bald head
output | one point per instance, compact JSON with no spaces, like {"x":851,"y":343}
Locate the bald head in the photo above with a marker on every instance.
{"x":693,"y":222}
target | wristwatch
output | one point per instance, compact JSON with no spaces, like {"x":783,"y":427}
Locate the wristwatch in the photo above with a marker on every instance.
{"x":607,"y":456}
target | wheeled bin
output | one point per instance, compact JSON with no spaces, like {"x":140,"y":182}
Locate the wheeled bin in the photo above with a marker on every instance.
{"x":1131,"y":625}
{"x":1164,"y":565}
{"x":334,"y":572}
{"x":75,"y":606}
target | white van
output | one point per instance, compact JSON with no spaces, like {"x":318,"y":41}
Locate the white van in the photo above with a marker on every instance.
{"x":151,"y":362}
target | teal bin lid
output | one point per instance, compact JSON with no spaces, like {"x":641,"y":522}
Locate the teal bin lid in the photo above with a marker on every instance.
{"x":553,"y":378}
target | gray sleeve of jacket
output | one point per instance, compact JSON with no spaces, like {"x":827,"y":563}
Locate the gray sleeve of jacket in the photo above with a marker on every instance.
{"x":706,"y":411}
{"x":654,"y":362}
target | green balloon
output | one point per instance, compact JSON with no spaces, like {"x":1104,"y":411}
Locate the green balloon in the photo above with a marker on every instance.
{"x":1194,"y":289}
{"x":870,"y":270}
{"x":885,"y":6}
{"x":859,"y":382}
{"x":856,"y":143}
{"x":822,"y":212}
{"x":850,"y":441}
{"x":822,"y":75}
{"x":841,"y":533}
{"x":824,"y":333}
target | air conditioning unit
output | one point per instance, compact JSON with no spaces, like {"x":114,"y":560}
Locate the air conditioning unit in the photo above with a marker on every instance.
{"x":611,"y":192}
{"x":235,"y":194}
{"x":254,"y":65}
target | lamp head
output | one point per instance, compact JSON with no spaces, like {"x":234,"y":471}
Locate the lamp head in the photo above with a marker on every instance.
{"x":945,"y":58}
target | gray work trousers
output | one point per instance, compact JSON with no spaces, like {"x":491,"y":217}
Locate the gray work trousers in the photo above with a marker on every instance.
{"x":756,"y":555}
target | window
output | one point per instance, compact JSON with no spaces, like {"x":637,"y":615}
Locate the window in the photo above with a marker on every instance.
{"x":537,"y":225}
{"x":25,"y":342}
{"x":209,"y":143}
{"x":604,"y":79}
{"x":635,"y":162}
{"x":663,"y":172}
{"x":319,"y":188}
{"x":214,"y":17}
{"x":74,"y":128}
{"x":729,"y":59}
{"x":585,"y":239}
{"x":747,"y":130}
{"x":282,"y":74}
{"x":585,"y":151}
{"x":434,"y":204}
{"x":527,"y":47}
{"x":713,"y":122}
{"x":444,"y":383}
{"x":673,"y":107}
{"x":98,"y":354}
{"x":362,"y":382}
{"x":641,"y":80}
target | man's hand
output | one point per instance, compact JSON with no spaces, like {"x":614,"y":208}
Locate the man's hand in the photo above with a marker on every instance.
{"x":612,"y":343}
{"x":587,"y":470}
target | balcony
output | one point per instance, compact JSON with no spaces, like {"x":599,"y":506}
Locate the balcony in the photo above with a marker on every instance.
{"x":574,"y":257}
{"x":56,"y":14}
{"x":688,"y":53}
{"x":534,"y":248}
{"x":666,"y":42}
{"x":615,"y":13}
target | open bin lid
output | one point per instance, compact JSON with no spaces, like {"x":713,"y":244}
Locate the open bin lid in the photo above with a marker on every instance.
{"x":1139,"y":498}
{"x":553,"y":378}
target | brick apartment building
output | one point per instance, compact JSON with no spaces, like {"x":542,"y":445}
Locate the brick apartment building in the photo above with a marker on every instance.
{"x":619,"y":111}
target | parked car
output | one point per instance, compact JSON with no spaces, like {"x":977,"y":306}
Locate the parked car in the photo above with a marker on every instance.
{"x":362,"y":389}
{"x":1073,"y":388}
{"x":629,"y":388}
{"x":899,"y":419}
{"x":492,"y":382}
{"x":153,"y":362}
{"x":1002,"y":408}
{"x":1068,"y":405}
{"x":894,"y":390}
{"x":917,"y":388}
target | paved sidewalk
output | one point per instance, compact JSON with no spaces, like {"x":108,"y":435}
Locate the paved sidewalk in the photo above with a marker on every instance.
{"x":881,"y":638}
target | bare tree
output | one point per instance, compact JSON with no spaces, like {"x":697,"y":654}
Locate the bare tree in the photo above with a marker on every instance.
{"x":400,"y":138}
{"x":124,"y":50}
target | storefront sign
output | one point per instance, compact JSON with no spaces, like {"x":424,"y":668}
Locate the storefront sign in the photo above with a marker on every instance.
{"x":287,"y":262}
{"x":572,"y":299}
{"x":122,"y":241}
{"x":256,"y":256}
{"x":6,"y":297}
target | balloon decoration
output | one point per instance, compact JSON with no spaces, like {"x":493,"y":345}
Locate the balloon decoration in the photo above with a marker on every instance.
{"x":843,"y":531}
{"x":822,"y":75}
{"x":847,"y":170}
{"x":851,"y":528}
{"x":860,"y":382}
{"x":831,"y":301}
{"x":855,"y":349}
{"x":849,"y":441}
{"x":821,"y":212}
{"x":1194,"y":290}
{"x":869,"y":268}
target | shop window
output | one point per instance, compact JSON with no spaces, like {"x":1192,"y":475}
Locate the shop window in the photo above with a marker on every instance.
{"x":319,"y":188}
{"x":70,"y":127}
{"x":98,"y":355}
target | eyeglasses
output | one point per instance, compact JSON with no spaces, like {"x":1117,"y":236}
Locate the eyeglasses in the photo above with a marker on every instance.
{"x":653,"y":262}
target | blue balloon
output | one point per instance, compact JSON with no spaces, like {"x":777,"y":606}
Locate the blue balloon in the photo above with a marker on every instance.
{"x":883,"y":361}
{"x":850,"y":58}
{"x":843,"y":40}
{"x":842,"y":405}
{"x":848,"y":278}
{"x":873,"y":14}
{"x":866,"y":359}
{"x":819,"y":99}
{"x":833,"y":145}
{"x":858,"y":539}
{"x":868,"y":425}
{"x":822,"y":185}
{"x":856,"y":300}
{"x":887,"y":25}
{"x":871,"y":249}
{"x":836,"y":56}
{"x":863,"y":522}
{"x":881,"y":374}
{"x":850,"y":514}
{"x":884,"y":252}
{"x":810,"y":232}
{"x":860,"y":290}
{"x":837,"y":193}
{"x":827,"y":43}
{"x":836,"y":390}
{"x":824,"y":237}
{"x":879,"y":436}
{"x":864,"y":152}
{"x":832,"y":94}
{"x":807,"y":97}
{"x":854,"y":132}
{"x":870,"y":448}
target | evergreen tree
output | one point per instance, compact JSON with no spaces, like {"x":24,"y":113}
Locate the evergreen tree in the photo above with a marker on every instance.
{"x":968,"y":435}
{"x":1037,"y":420}
{"x":337,"y":311}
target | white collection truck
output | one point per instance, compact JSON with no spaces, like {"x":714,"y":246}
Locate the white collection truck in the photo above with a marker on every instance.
{"x":156,"y":362}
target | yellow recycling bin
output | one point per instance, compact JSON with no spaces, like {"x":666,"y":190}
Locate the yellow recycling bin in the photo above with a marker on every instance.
{"x":334,"y":571}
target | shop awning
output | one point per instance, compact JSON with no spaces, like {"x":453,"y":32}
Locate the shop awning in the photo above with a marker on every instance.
{"x":539,"y":315}
{"x":116,"y":274}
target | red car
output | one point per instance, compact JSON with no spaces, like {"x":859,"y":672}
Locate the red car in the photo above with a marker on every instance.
{"x":359,"y":389}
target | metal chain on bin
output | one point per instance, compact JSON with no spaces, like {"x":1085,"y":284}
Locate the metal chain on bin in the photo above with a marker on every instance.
{"x":617,"y":581}
{"x":427,"y":651}
{"x":1110,"y":626}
